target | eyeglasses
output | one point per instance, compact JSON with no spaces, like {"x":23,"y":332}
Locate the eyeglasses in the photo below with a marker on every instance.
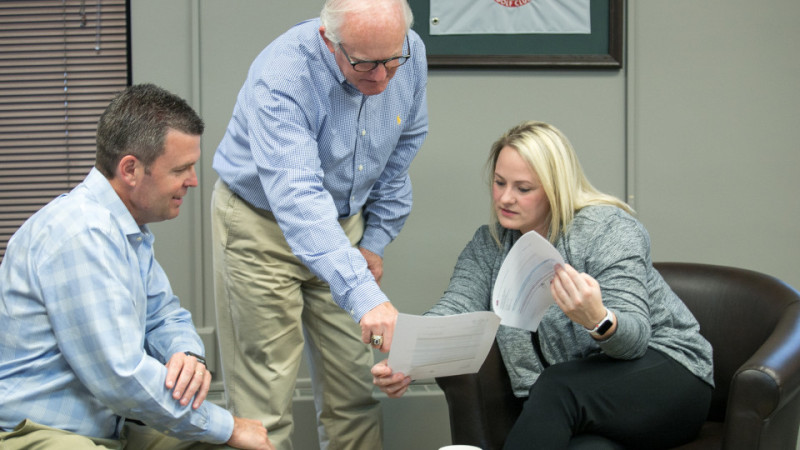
{"x":367,"y":66}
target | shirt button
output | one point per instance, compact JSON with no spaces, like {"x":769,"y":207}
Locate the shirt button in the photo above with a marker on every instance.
{"x":363,"y":132}
{"x":360,"y":167}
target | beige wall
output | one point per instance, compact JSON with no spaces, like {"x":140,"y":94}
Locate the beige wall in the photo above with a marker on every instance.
{"x":713,"y":111}
{"x":698,"y":131}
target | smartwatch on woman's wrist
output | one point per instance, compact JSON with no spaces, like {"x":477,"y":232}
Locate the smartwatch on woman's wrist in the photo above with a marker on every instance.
{"x":603,"y":326}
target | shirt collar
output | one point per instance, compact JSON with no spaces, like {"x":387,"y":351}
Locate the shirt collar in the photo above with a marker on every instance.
{"x":329,"y":60}
{"x":105,"y":194}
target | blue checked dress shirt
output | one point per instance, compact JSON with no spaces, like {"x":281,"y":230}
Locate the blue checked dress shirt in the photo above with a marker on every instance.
{"x":308,"y":146}
{"x":88,"y":320}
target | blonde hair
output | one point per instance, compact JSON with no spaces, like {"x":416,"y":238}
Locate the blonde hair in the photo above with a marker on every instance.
{"x":551,"y":156}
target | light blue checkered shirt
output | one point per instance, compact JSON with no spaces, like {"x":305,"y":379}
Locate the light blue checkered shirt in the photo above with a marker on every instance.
{"x":308,"y":146}
{"x":88,"y":321}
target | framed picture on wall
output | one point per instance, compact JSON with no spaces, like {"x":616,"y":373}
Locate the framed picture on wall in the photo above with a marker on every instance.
{"x":580,"y":34}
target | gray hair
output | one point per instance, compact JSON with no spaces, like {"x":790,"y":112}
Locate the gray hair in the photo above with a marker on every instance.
{"x":334,"y":11}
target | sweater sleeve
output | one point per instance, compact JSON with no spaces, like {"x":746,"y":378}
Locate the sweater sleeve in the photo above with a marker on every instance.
{"x":470,"y":286}
{"x":615,"y":250}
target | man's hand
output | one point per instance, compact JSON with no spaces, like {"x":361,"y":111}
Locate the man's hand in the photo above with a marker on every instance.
{"x":249,"y":434}
{"x":374,"y":264}
{"x":189,"y":379}
{"x":379,"y":321}
{"x":392,"y":384}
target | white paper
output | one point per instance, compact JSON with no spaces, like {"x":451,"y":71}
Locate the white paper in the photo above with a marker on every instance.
{"x":449,"y":17}
{"x":521,"y":293}
{"x":429,"y":347}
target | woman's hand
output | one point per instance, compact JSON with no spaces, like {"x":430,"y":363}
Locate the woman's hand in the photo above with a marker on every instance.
{"x":578,"y":295}
{"x":392,"y":384}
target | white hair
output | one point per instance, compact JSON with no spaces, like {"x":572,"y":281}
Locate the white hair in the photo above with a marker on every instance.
{"x":334,"y":11}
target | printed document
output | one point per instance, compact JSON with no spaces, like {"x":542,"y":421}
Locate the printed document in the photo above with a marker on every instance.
{"x":521,"y":293}
{"x":428,"y":347}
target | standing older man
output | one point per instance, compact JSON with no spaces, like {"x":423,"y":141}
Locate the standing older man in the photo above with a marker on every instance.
{"x":313,"y":186}
{"x":95,"y":350}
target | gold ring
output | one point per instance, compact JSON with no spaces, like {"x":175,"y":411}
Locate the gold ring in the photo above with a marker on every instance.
{"x":377,"y":340}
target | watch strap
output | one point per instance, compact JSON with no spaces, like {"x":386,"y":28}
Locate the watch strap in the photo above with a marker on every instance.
{"x":200,"y":359}
{"x":603,"y":326}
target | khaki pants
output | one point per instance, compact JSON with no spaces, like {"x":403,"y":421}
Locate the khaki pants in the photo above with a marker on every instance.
{"x":29,"y":434}
{"x":269,"y":305}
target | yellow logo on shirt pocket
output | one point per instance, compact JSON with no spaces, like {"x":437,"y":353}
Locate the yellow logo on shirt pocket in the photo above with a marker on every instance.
{"x":399,"y":121}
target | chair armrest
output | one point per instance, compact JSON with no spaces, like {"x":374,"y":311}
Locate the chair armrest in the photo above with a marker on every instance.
{"x":468,"y":423}
{"x":763,"y":403}
{"x":482,"y":405}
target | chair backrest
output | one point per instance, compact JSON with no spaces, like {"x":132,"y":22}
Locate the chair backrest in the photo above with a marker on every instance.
{"x":737,"y":310}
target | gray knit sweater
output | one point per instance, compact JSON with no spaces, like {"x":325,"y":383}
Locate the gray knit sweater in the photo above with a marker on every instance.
{"x":614,"y":248}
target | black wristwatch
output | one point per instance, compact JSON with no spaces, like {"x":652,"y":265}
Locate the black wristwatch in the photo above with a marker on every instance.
{"x":200,"y":359}
{"x":603,"y":326}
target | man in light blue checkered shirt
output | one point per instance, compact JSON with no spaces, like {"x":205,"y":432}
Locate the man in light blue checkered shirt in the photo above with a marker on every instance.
{"x":95,"y":350}
{"x":313,"y":186}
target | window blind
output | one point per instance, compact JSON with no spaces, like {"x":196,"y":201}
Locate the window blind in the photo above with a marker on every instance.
{"x":61,"y":62}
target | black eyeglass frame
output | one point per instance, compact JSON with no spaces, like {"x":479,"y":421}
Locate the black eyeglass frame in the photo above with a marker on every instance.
{"x":401,"y":58}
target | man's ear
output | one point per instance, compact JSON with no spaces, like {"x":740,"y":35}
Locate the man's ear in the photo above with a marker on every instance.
{"x":327,"y":41}
{"x":127,"y":169}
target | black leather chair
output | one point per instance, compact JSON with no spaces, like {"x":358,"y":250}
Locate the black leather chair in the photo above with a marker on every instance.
{"x":753,"y":322}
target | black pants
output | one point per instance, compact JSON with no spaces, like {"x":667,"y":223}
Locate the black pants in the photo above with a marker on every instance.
{"x":599,"y":402}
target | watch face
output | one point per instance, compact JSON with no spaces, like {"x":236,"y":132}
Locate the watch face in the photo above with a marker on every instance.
{"x":603,"y":327}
